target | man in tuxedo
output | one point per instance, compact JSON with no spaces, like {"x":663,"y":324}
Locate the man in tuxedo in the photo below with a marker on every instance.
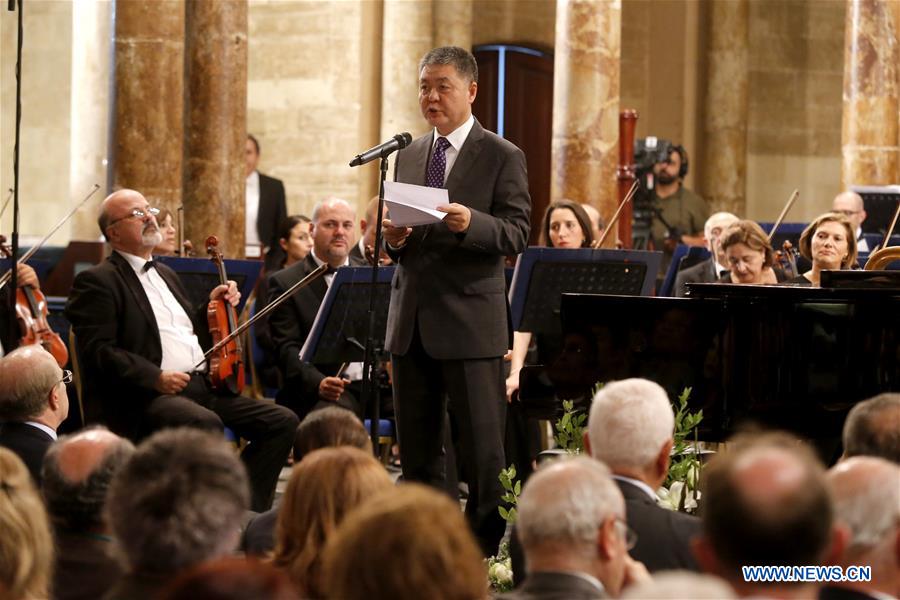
{"x":711,"y":269}
{"x":866,"y":493}
{"x":308,"y":386}
{"x":266,"y":208}
{"x":572,"y":526}
{"x":630,"y":429}
{"x":448,"y":323}
{"x":33,"y":403}
{"x":77,"y":472}
{"x":140,"y":342}
{"x":850,"y":204}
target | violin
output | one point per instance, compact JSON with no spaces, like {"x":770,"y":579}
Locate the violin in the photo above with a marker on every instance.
{"x":226,"y":364}
{"x":786,"y":258}
{"x":31,"y":313}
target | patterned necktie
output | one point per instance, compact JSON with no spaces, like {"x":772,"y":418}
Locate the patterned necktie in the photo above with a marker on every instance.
{"x":438,"y":164}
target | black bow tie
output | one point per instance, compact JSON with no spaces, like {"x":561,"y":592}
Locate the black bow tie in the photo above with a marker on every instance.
{"x":330,"y":270}
{"x":724,"y":272}
{"x":150,"y":264}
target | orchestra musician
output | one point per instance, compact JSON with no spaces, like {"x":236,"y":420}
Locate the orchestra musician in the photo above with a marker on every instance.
{"x":448,"y":323}
{"x":711,"y":269}
{"x":9,"y":336}
{"x":169,"y":244}
{"x":749,"y":255}
{"x":140,"y":343}
{"x":830,"y":243}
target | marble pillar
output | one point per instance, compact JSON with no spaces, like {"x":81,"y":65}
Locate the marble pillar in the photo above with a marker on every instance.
{"x":149,"y":87}
{"x":215,"y":122}
{"x":406,"y":37}
{"x":870,"y":146}
{"x":586,"y":103}
{"x":452,"y":23}
{"x":723,"y":166}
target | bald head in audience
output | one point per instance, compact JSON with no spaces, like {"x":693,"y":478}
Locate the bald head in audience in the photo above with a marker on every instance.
{"x":866,"y":494}
{"x":765,"y":502}
{"x":850,"y":204}
{"x":872,"y":428}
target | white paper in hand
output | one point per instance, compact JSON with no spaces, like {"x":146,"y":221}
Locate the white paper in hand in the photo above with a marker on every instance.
{"x":410,"y":205}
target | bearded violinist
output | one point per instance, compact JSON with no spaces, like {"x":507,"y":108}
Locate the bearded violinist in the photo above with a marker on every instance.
{"x":139,"y":340}
{"x":9,"y":337}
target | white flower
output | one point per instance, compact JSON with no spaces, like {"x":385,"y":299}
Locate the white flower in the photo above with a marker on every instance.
{"x":671,"y":497}
{"x":500,"y":572}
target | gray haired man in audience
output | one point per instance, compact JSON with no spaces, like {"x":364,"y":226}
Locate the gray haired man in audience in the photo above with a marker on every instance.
{"x":630,"y":428}
{"x":178,"y":502}
{"x":872,"y":428}
{"x":866,"y":494}
{"x":573,"y":531}
{"x":77,"y":473}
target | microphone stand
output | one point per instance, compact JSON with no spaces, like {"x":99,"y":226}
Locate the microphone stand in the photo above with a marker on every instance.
{"x":13,"y":325}
{"x":370,"y":389}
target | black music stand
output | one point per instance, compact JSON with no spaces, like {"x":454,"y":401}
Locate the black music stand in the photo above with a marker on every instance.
{"x":543,"y":275}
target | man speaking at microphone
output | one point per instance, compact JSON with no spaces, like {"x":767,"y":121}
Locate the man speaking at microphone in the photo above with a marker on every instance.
{"x":448,"y":324}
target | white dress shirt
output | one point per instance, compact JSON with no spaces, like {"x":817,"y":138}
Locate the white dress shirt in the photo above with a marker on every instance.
{"x":457,"y":138}
{"x":48,"y":430}
{"x":180,"y":349}
{"x":251,"y":235}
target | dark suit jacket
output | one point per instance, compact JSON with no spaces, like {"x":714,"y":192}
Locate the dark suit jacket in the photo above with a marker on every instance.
{"x":118,"y":340}
{"x":663,"y":535}
{"x":8,"y":336}
{"x":29,"y":443}
{"x":704,"y":272}
{"x":453,"y":284}
{"x":259,"y":536}
{"x":554,"y":586}
{"x":272,"y":211}
{"x":290,"y":323}
{"x":85,"y":566}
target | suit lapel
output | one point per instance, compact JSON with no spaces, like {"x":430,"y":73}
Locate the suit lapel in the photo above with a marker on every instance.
{"x":468,"y":156}
{"x":134,"y":286}
{"x":420,"y":152}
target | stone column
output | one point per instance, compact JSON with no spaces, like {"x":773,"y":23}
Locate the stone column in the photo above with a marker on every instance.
{"x":723,"y":169}
{"x":452,"y":23}
{"x":586,"y":103}
{"x":871,"y":117}
{"x":149,"y":86}
{"x":215,"y":122}
{"x":407,"y":36}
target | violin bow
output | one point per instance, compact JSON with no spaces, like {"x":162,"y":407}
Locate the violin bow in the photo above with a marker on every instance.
{"x":615,"y":219}
{"x":784,"y":212}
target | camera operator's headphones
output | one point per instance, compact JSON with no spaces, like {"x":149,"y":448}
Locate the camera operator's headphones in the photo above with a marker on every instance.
{"x":682,"y":153}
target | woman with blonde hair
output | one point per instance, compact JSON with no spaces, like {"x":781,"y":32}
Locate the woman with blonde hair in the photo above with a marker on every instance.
{"x":324,"y":486}
{"x":26,"y":545}
{"x":830,"y":243}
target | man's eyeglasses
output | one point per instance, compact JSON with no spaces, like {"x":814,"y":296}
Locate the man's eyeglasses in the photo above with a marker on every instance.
{"x":66,"y":376}
{"x":628,"y":534}
{"x":137,"y":213}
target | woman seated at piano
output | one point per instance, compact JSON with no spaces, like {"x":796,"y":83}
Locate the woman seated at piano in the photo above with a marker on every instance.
{"x":749,"y":255}
{"x":830,"y":243}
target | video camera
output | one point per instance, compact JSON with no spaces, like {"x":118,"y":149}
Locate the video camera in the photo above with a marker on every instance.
{"x":648,"y":151}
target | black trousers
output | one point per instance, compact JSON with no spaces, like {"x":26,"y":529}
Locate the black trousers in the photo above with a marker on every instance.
{"x":268,"y":428}
{"x":472,"y":391}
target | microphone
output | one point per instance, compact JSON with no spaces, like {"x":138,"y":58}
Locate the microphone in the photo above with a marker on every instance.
{"x":401,"y":140}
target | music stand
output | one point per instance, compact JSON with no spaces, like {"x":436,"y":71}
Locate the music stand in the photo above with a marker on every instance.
{"x":200,"y":276}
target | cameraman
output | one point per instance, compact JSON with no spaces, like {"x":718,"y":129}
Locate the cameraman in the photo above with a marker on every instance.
{"x":679,"y":213}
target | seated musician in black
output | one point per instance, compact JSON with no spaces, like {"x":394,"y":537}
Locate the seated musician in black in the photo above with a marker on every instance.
{"x":140,"y":344}
{"x":829,"y":242}
{"x":306,"y":386}
{"x":749,"y":255}
{"x":9,"y":335}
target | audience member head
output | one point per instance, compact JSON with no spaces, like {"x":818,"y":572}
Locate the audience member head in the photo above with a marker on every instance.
{"x":26,"y":545}
{"x":677,"y":585}
{"x":748,"y":253}
{"x":829,"y":242}
{"x":448,"y":83}
{"x":416,"y":527}
{"x":715,"y":226}
{"x":178,"y":502}
{"x":572,"y":519}
{"x":566,"y":225}
{"x":295,"y":239}
{"x":231,"y":578}
{"x":872,"y":428}
{"x":630,"y":429}
{"x":324,"y":487}
{"x":765,"y":502}
{"x":32,"y":387}
{"x":332,"y":230}
{"x":597,"y":224}
{"x":251,"y":155}
{"x":169,"y":244}
{"x":850,"y":204}
{"x":129,"y":223}
{"x":77,"y":472}
{"x":866,"y":495}
{"x":330,"y":427}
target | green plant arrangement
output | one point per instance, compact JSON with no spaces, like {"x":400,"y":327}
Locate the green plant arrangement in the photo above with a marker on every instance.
{"x":679,"y":491}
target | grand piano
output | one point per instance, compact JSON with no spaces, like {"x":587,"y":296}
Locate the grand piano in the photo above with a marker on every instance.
{"x":785,"y":357}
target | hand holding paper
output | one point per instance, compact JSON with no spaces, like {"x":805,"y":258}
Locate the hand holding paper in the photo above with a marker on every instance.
{"x":411,"y":205}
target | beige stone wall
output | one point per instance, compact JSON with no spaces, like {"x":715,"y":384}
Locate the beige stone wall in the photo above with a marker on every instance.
{"x":45,"y":130}
{"x":529,"y":22}
{"x":796,"y":73}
